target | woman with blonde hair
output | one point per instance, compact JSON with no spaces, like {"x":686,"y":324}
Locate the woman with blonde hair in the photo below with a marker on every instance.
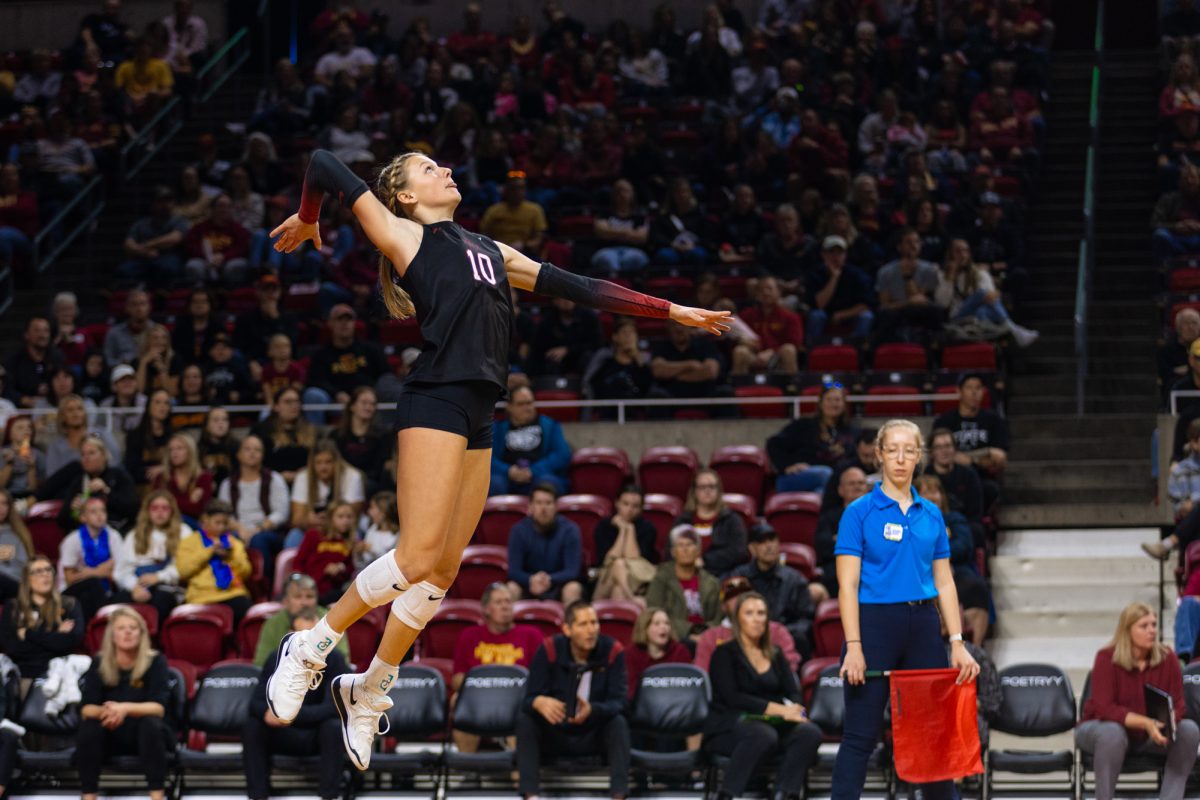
{"x":1114,"y":720}
{"x":326,"y":480}
{"x":158,"y":365}
{"x":124,"y":706}
{"x":147,"y":573}
{"x":189,"y":485}
{"x":715,"y":523}
{"x":654,"y":642}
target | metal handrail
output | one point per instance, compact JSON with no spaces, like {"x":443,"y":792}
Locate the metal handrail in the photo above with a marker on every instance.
{"x":92,"y":192}
{"x":1087,"y":243}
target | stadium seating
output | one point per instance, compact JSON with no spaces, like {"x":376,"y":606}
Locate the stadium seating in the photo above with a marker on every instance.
{"x":197,"y":633}
{"x":668,"y":470}
{"x":794,"y":515}
{"x":482,"y":565}
{"x":441,"y":632}
{"x":802,"y":558}
{"x":545,"y":615}
{"x":42,"y":521}
{"x":744,"y":506}
{"x":661,"y":511}
{"x":418,"y":713}
{"x":810,"y":673}
{"x":827,"y":629}
{"x":487,"y":705}
{"x":599,"y":470}
{"x":1036,"y":701}
{"x":217,"y":715}
{"x":617,"y":618}
{"x":586,"y":511}
{"x":251,"y":625}
{"x":671,"y":702}
{"x":500,"y":514}
{"x":742,"y":469}
{"x":365,"y":634}
{"x":283,"y":568}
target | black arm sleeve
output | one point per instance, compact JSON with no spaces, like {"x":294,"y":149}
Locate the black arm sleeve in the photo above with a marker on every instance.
{"x":597,"y":294}
{"x":327,"y":175}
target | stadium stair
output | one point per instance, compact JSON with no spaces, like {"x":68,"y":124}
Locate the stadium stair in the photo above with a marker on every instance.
{"x":1068,"y":471}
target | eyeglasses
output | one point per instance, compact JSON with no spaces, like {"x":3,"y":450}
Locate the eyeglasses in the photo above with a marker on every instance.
{"x":42,"y":571}
{"x":833,"y":385}
{"x":702,"y":486}
{"x":910,"y":453}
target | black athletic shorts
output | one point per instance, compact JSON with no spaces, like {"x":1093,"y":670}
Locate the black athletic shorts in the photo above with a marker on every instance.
{"x":466,"y":408}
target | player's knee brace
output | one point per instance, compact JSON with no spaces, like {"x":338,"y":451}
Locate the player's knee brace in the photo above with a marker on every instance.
{"x":418,"y":605}
{"x":381,"y":581}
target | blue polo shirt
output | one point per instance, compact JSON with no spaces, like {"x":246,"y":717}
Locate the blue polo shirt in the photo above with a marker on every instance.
{"x":897,"y":550}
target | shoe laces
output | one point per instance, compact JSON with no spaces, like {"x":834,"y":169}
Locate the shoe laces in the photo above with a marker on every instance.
{"x":372,"y":723}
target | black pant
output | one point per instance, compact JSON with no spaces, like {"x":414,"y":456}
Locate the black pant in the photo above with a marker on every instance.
{"x":8,"y":757}
{"x":92,"y":593}
{"x":751,"y":743}
{"x":925,"y":318}
{"x":145,"y":737}
{"x":260,"y":741}
{"x":240,"y":606}
{"x":8,"y":588}
{"x":535,"y":735}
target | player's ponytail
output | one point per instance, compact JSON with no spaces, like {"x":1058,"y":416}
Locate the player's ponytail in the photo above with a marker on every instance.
{"x":392,"y":180}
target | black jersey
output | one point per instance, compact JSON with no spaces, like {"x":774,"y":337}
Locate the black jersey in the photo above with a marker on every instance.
{"x":460,"y":290}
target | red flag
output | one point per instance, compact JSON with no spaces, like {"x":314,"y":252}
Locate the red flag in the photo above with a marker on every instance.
{"x":934,"y":728}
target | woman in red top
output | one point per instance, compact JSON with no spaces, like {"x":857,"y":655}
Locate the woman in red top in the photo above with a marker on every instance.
{"x":1114,"y":715}
{"x":722,"y":530}
{"x":182,"y":476}
{"x":654,"y":642}
{"x":327,"y":555}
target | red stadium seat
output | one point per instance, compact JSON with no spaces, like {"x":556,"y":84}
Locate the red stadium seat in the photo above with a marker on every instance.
{"x":1184,"y":280}
{"x":576,"y":226}
{"x":599,"y":470}
{"x":899,"y":356}
{"x":827,"y":629}
{"x":793,"y":515}
{"x":742,"y":504}
{"x":441,"y":632}
{"x":733,"y":287}
{"x":810,"y":673}
{"x":197,"y":633}
{"x":669,"y":288}
{"x":94,"y":335}
{"x":761,"y":410}
{"x":560,"y":413}
{"x":242,"y":300}
{"x":443,"y":665}
{"x":893,"y":408}
{"x":800,"y":557}
{"x":482,"y":565}
{"x":661,"y":510}
{"x":617,"y":618}
{"x":251,"y":627}
{"x":979,"y":356}
{"x":586,"y":511}
{"x":668,"y":470}
{"x":833,"y":358}
{"x":500,"y":513}
{"x":42,"y":522}
{"x":742,"y":469}
{"x":99,"y":623}
{"x":283,"y":568}
{"x":256,"y":584}
{"x":545,"y":615}
{"x":190,"y":676}
{"x":365,"y":634}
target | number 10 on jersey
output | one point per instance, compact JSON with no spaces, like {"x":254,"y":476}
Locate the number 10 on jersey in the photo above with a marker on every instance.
{"x":481,"y":267}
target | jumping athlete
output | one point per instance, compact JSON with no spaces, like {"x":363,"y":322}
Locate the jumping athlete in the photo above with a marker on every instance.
{"x":457,"y":284}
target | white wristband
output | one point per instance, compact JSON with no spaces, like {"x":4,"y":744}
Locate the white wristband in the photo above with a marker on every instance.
{"x":957,"y":637}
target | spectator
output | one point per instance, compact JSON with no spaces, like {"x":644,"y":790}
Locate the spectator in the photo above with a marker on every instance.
{"x":146,"y":571}
{"x":743,"y":227}
{"x":625,"y":550}
{"x":346,"y":139}
{"x":344,"y":364}
{"x":715,"y":523}
{"x":125,"y":406}
{"x":29,"y":368}
{"x":565,"y":339}
{"x":906,"y":287}
{"x":226,"y":379}
{"x":691,"y":596}
{"x":1176,"y":220}
{"x":18,"y":217}
{"x":146,"y":81}
{"x":213,"y":562}
{"x":73,"y":429}
{"x":967,"y":291}
{"x":64,"y":161}
{"x":780,"y":334}
{"x":190,"y":486}
{"x":299,"y":595}
{"x":1173,"y":355}
{"x":195,"y":331}
{"x":972,"y":589}
{"x":315,"y":732}
{"x":93,"y":382}
{"x":995,"y":244}
{"x":22,"y":462}
{"x":654,"y":642}
{"x":569,"y":715}
{"x":959,"y":481}
{"x":286,"y":436}
{"x":680,"y":234}
{"x":88,"y":557}
{"x":259,"y":498}
{"x":545,"y":551}
{"x":731,"y":589}
{"x":326,"y":554}
{"x":751,"y":677}
{"x":1114,"y":722}
{"x":621,"y":371}
{"x":95,"y":474}
{"x":839,"y":293}
{"x":362,"y":441}
{"x":126,"y":339}
{"x":16,"y":548}
{"x":65,"y":335}
{"x":218,"y":247}
{"x":808,"y":450}
{"x":684,"y":365}
{"x":158,"y":365}
{"x":216,"y":448}
{"x":496,"y":641}
{"x":187,"y":39}
{"x":980,"y":434}
{"x":280,"y":371}
{"x":152,"y":248}
{"x":622,"y":235}
{"x":516,"y":221}
{"x":358,"y":62}
{"x":261,"y":162}
{"x":1181,"y":26}
{"x":529,"y":450}
{"x":708,"y":68}
{"x":586,"y":91}
{"x":327,"y":480}
{"x":1182,"y":91}
{"x":851,"y":485}
{"x":146,"y":445}
{"x":123,"y":708}
{"x":40,"y":624}
{"x":791,"y":599}
{"x":383,"y":529}
{"x":254,"y":329}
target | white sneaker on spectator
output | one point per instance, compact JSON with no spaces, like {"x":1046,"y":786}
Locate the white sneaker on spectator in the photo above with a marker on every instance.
{"x":1023,"y":336}
{"x":298,"y":670}
{"x":363,"y":713}
{"x":9,"y":725}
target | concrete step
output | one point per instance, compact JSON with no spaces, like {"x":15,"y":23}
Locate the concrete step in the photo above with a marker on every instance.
{"x":1079,"y":497}
{"x":1068,"y":599}
{"x":1079,"y":449}
{"x":1016,"y":514}
{"x":1098,"y":426}
{"x":1073,"y":474}
{"x":1052,"y":623}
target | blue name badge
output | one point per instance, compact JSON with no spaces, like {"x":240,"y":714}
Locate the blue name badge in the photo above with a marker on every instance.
{"x":893,"y":532}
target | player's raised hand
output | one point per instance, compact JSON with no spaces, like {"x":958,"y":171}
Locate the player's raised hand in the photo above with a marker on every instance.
{"x":715,"y":322}
{"x":293,"y":232}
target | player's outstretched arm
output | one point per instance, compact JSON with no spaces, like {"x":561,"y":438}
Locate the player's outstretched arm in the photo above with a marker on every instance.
{"x":547,"y":279}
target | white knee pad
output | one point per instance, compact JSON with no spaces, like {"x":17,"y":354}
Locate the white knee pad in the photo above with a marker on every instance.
{"x":418,"y":605}
{"x":381,"y":581}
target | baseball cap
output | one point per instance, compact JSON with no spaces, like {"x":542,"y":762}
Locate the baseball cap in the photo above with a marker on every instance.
{"x":734,"y":586}
{"x":684,"y":532}
{"x":119,"y":372}
{"x":341,"y":311}
{"x":832,"y":242}
{"x":761,"y":532}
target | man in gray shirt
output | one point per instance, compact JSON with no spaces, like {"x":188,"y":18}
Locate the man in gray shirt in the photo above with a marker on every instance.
{"x":905,"y":288}
{"x":124,"y":340}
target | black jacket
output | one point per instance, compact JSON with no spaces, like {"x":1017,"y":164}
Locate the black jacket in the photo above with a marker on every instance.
{"x":33,"y":653}
{"x":728,"y":548}
{"x":67,"y":482}
{"x":738,"y":689}
{"x":786,"y":593}
{"x":318,"y":704}
{"x":553,"y":672}
{"x":800,"y":442}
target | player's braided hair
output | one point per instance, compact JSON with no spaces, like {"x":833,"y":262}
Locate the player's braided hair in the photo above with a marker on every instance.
{"x":392,"y":180}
